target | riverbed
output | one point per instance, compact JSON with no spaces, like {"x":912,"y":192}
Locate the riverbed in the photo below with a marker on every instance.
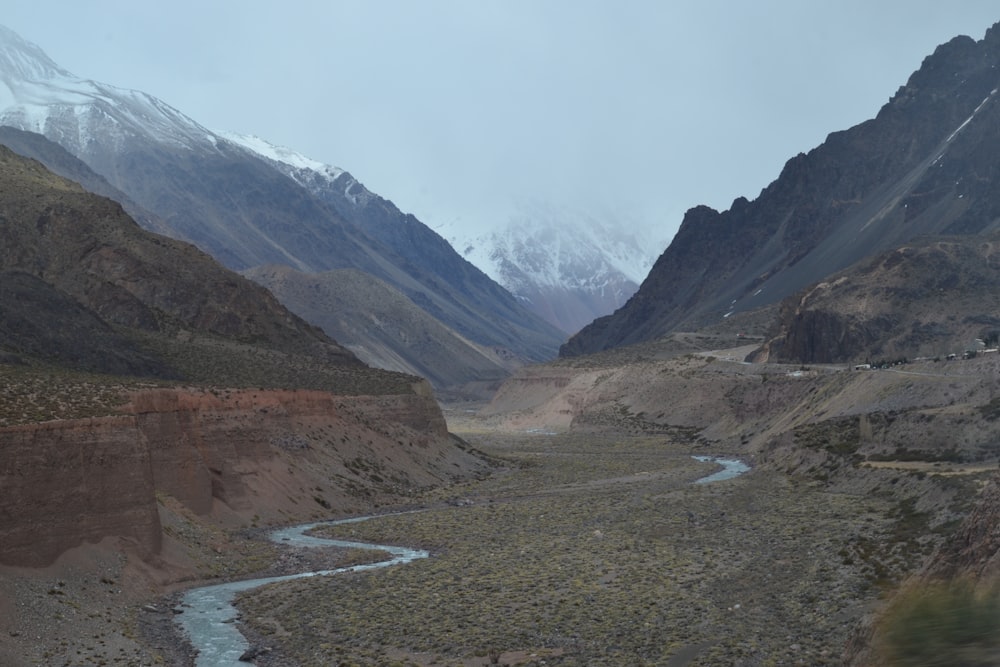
{"x":211,"y":621}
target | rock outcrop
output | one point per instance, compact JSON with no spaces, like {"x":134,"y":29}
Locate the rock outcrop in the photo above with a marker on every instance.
{"x":929,"y":298}
{"x":273,"y":455}
{"x":73,"y":481}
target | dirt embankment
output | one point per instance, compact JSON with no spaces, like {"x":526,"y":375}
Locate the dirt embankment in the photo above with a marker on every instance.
{"x":746,"y":408}
{"x":100,"y":514}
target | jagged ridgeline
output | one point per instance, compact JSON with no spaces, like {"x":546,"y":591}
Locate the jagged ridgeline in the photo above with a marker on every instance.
{"x":84,"y":288}
{"x":925,"y":165}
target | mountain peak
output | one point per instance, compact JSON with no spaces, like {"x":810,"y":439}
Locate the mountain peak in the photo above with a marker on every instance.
{"x":567,"y":265}
{"x":23,"y":60}
{"x":39,"y":96}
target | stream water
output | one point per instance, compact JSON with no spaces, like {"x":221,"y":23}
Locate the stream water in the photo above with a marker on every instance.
{"x":730,"y":468}
{"x":210,"y":619}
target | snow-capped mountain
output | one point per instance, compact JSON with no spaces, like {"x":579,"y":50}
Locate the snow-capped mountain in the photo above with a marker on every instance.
{"x":250,"y":204}
{"x":39,"y":96}
{"x":333,"y":184}
{"x":568,"y":266}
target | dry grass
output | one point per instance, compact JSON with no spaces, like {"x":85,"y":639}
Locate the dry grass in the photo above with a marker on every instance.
{"x":30,"y":394}
{"x":599,"y":552}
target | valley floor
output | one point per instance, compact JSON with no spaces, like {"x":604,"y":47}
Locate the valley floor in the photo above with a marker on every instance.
{"x":581,"y":549}
{"x":597,"y":550}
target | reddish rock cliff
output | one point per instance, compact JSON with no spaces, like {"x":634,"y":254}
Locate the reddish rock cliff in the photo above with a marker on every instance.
{"x":69,"y":481}
{"x":276,"y":456}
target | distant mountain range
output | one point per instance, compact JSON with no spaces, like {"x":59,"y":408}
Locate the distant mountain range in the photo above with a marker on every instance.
{"x":567,"y":266}
{"x":924,"y":166}
{"x":250,"y":206}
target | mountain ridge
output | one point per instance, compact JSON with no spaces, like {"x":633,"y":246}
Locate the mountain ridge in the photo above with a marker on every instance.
{"x":920,"y":166}
{"x":234,"y":204}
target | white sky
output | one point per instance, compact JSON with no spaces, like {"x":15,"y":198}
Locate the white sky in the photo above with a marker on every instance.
{"x":454,"y":108}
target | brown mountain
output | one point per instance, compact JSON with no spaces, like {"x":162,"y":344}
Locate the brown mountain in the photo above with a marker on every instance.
{"x":924,"y":165}
{"x":85,"y":287}
{"x":930,"y":298}
{"x":385,"y":329}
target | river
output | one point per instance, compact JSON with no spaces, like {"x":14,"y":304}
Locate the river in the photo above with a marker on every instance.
{"x":211,"y":621}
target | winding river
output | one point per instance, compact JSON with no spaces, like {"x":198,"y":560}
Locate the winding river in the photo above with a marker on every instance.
{"x":210,"y":619}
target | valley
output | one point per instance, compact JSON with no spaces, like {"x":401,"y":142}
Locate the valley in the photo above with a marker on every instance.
{"x":574,"y":534}
{"x":592,"y":546}
{"x":559,"y":563}
{"x":205,"y":338}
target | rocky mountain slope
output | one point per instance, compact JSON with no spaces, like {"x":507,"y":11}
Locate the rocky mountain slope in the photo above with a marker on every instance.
{"x":569,"y":267}
{"x":929,"y":298}
{"x":471,"y":300}
{"x":193,"y":184}
{"x":385,"y":329}
{"x":229,"y":456}
{"x":87,"y":287}
{"x":924,"y":165}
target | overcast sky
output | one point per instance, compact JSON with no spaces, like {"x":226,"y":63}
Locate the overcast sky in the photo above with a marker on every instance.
{"x":454,"y":109}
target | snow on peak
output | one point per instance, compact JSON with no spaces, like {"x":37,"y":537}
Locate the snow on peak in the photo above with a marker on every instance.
{"x":39,"y":96}
{"x":281,"y":154}
{"x":23,"y":60}
{"x":547,"y":245}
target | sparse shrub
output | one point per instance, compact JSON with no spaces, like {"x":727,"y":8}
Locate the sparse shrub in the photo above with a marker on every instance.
{"x":949,"y":623}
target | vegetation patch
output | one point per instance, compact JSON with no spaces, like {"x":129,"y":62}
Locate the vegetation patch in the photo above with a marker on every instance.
{"x":946,"y":623}
{"x":592,"y":550}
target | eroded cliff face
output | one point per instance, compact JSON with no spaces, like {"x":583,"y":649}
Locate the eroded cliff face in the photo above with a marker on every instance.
{"x":228,"y":456}
{"x":69,"y":481}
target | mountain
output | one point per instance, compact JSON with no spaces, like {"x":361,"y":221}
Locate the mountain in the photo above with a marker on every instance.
{"x":84,"y":287}
{"x":451,"y":289}
{"x":569,"y":267}
{"x":244,"y":209}
{"x":929,"y":298}
{"x":925,"y":165}
{"x":385,"y":329}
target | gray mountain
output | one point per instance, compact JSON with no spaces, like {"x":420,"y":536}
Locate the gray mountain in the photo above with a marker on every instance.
{"x":568,"y":266}
{"x":925,"y":165}
{"x":385,"y":329}
{"x":184,"y":180}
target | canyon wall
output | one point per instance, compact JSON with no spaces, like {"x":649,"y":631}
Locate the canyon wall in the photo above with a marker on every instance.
{"x":69,"y":481}
{"x":229,"y":456}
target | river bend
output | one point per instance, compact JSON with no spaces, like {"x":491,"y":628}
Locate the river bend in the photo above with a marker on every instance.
{"x":210,"y":619}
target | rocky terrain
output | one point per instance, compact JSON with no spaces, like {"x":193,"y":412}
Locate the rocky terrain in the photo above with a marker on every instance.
{"x":929,"y":298}
{"x":159,"y":494}
{"x":922,"y":166}
{"x":385,"y":329}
